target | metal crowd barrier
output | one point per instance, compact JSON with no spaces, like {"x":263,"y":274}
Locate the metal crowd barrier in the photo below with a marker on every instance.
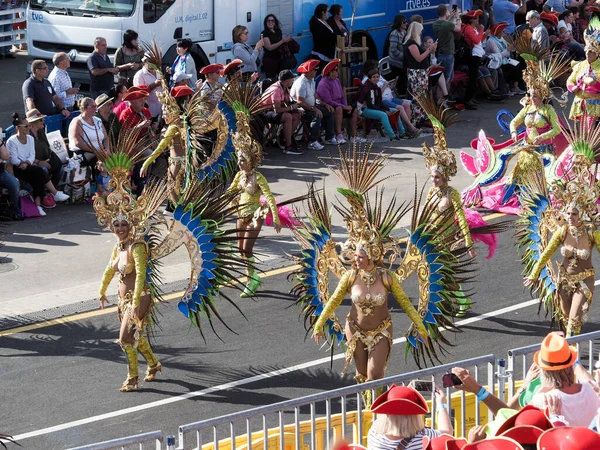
{"x":9,"y":17}
{"x":319,"y":437}
{"x":138,"y":440}
{"x":526,"y":354}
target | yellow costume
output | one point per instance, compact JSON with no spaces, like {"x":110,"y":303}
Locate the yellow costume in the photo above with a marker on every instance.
{"x":447,"y":222}
{"x":249,"y":198}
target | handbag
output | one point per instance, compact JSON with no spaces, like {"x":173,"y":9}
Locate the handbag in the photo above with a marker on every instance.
{"x":28,"y":207}
{"x":57,"y":145}
{"x":294,"y":46}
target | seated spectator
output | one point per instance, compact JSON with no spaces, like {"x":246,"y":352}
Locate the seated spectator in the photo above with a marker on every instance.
{"x":233,"y":72}
{"x":21,"y":147}
{"x":10,"y":183}
{"x":243,"y":51}
{"x":102,"y":179}
{"x":276,"y":52}
{"x":184,"y":63}
{"x":39,"y":94}
{"x":61,"y":81}
{"x":369,"y":103}
{"x":303,"y":91}
{"x":149,"y":79}
{"x":136,"y":113}
{"x":331,"y":95}
{"x":565,"y":35}
{"x":128,"y":58}
{"x":550,"y":22}
{"x":181,"y":79}
{"x":86,"y":132}
{"x":110,"y":121}
{"x":44,"y":156}
{"x":117,"y":95}
{"x":285,"y":111}
{"x":211,"y":87}
{"x":540,"y":33}
{"x":579,"y":402}
{"x":400,"y":419}
{"x":394,"y":104}
{"x":498,"y":50}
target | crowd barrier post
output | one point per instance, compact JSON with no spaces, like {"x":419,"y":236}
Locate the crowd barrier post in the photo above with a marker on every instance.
{"x":10,"y":17}
{"x":139,"y":439}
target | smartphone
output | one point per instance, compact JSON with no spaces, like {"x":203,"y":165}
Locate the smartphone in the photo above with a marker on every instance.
{"x":450,"y":380}
{"x":422,"y":385}
{"x":454,"y":7}
{"x":77,"y":85}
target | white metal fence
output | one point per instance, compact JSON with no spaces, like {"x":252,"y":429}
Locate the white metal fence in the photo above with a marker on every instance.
{"x":281,"y":416}
{"x":8,"y":18}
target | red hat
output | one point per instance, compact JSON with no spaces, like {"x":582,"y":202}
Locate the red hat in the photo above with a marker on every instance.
{"x":231,"y":67}
{"x":526,"y":426}
{"x":473,"y":13}
{"x":569,"y":438}
{"x":309,"y":65}
{"x":329,"y":67}
{"x":548,"y":17}
{"x":555,"y":353}
{"x":135,"y":95}
{"x":138,"y":88}
{"x":555,"y":13}
{"x":211,"y":68}
{"x":181,"y":91}
{"x":498,"y":28}
{"x":594,"y":8}
{"x":495,"y":443}
{"x":400,"y":401}
{"x":443,"y":442}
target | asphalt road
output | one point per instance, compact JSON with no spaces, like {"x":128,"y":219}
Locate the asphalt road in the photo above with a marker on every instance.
{"x":61,"y":374}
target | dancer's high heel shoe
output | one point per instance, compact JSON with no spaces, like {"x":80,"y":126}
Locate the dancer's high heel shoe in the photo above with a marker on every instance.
{"x":129,"y":384}
{"x":152,"y":371}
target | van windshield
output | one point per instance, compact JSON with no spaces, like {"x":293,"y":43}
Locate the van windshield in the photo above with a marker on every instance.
{"x":121,"y":8}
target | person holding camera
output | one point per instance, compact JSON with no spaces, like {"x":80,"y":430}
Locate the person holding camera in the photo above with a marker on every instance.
{"x":400,"y":422}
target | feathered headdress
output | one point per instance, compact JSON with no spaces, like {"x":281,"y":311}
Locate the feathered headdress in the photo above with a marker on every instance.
{"x":581,"y":189}
{"x":120,"y":204}
{"x":438,"y":158}
{"x":542,"y":66}
{"x":592,"y":36}
{"x":245,"y":101}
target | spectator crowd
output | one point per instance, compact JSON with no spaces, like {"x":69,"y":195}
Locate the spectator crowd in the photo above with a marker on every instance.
{"x":469,"y":58}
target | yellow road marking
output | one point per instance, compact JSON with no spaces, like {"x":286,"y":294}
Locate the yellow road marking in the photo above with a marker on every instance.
{"x":171,"y":296}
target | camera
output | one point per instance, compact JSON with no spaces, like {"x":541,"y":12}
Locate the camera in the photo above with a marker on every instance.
{"x":450,"y":380}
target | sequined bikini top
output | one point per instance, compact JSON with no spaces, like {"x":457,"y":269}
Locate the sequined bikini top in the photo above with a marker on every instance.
{"x":368,"y":303}
{"x":124,"y":268}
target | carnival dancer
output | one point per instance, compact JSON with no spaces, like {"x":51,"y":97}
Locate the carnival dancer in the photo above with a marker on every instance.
{"x":197,"y":223}
{"x":573,"y":219}
{"x":249,"y":185}
{"x":362,"y":266}
{"x":441,"y":164}
{"x":542,"y":145}
{"x":583,"y":81}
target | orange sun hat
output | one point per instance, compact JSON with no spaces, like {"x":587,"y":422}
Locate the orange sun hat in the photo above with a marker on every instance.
{"x":555,"y":353}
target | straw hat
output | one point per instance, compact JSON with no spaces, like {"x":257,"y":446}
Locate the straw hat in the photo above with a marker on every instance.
{"x":555,"y":353}
{"x":400,"y":401}
{"x":34,"y":115}
{"x":102,"y":99}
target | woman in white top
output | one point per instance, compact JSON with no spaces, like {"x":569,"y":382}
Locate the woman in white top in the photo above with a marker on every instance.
{"x":86,"y":132}
{"x":21,"y":147}
{"x":579,"y":402}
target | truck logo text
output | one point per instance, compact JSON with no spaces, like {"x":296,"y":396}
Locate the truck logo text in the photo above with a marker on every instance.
{"x":417,"y":4}
{"x":37,"y":17}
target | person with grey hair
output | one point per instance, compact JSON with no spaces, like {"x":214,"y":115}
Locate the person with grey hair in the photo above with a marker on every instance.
{"x":540,"y":34}
{"x":101,"y":69}
{"x":61,"y":81}
{"x":39,"y":94}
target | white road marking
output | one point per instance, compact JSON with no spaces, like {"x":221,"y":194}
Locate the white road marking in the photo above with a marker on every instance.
{"x":233,"y":384}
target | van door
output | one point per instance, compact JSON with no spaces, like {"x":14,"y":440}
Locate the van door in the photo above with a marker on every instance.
{"x":198,"y":19}
{"x":248,"y":15}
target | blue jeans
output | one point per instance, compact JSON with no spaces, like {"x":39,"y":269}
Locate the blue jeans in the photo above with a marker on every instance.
{"x":447,"y":62}
{"x":9,"y":182}
{"x":391,"y":105}
{"x":375,"y":114}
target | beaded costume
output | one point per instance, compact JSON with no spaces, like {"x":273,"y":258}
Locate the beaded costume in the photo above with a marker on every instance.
{"x":197,"y":223}
{"x":546,"y":215}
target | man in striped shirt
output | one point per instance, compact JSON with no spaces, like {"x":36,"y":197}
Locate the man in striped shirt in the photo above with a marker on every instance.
{"x":61,"y":81}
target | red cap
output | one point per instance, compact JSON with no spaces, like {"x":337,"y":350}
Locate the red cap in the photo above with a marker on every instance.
{"x":473,"y":13}
{"x":548,"y":17}
{"x":498,"y":28}
{"x":211,"y":68}
{"x":400,"y":401}
{"x":135,"y":95}
{"x":231,"y":67}
{"x":309,"y":65}
{"x":443,"y":442}
{"x":329,"y":67}
{"x":181,"y":91}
